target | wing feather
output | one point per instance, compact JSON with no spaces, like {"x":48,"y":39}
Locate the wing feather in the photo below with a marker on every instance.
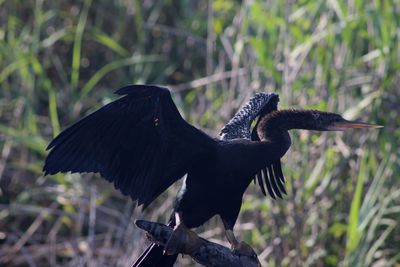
{"x":240,"y":127}
{"x":268,"y":183}
{"x":272,"y":180}
{"x":261,"y":182}
{"x":139,"y":142}
{"x":280,"y":180}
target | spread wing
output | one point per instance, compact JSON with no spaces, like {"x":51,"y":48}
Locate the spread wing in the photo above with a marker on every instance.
{"x":239,"y":126}
{"x":139,"y":142}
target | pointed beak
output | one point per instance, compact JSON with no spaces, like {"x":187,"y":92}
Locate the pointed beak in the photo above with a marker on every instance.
{"x":345,"y":124}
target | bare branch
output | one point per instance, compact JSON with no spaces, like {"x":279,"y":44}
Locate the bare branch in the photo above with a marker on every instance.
{"x":208,"y":253}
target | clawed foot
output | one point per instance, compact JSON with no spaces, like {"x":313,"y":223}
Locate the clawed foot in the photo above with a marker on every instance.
{"x":243,"y":249}
{"x":238,"y":248}
{"x":182,"y":240}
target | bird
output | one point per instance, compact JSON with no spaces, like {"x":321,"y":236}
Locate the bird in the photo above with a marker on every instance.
{"x":142,"y":144}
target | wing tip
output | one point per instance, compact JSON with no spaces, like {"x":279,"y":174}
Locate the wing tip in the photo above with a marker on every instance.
{"x":46,"y":171}
{"x":141,"y":90}
{"x":50,"y":145}
{"x":50,"y":169}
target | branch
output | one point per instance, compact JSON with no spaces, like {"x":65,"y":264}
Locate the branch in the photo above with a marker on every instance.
{"x":208,"y":253}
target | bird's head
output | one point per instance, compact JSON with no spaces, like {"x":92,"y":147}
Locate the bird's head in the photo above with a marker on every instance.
{"x":310,"y":120}
{"x":327,"y":121}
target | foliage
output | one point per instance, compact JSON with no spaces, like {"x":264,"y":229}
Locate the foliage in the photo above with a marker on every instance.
{"x":61,"y":60}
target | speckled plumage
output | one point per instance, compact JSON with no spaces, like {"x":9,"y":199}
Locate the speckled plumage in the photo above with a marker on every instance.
{"x":240,"y":125}
{"x":271,"y":177}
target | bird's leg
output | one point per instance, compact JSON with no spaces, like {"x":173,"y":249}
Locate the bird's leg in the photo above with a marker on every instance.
{"x":240,"y":248}
{"x":182,"y":239}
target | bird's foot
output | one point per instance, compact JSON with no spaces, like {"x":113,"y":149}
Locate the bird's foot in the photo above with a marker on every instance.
{"x":243,"y":249}
{"x":182,"y":240}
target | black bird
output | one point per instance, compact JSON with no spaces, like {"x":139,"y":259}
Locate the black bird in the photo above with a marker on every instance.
{"x":141,"y":143}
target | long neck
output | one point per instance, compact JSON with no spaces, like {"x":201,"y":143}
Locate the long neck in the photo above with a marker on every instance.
{"x":281,"y":121}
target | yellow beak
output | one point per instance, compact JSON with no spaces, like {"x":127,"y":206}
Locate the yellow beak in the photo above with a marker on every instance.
{"x":344,"y":125}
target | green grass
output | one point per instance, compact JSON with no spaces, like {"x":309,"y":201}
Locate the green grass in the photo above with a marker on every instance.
{"x":61,"y":60}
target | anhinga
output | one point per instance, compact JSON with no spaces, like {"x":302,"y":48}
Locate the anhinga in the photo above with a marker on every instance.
{"x":141,"y":143}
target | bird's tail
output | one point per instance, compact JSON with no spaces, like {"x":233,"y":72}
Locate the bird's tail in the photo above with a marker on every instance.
{"x":154,"y":256}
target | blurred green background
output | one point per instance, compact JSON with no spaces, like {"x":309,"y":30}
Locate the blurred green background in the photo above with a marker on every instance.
{"x":60,"y":60}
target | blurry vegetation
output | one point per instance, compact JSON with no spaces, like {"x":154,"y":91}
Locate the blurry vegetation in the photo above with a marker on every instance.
{"x":60,"y":60}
